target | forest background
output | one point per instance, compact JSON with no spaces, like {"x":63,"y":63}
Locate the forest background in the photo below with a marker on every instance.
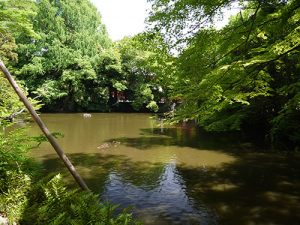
{"x":241,"y":78}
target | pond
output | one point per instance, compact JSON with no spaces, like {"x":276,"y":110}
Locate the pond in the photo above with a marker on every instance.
{"x":175,"y":174}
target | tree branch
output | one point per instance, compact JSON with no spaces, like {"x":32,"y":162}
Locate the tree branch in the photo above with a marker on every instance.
{"x":43,"y":127}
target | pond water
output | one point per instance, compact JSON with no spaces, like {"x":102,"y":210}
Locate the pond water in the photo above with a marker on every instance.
{"x":175,"y":175}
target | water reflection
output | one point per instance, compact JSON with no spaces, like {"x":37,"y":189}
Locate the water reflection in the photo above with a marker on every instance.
{"x":166,"y":202}
{"x":176,"y":175}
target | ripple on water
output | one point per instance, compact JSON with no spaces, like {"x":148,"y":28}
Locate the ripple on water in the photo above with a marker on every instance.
{"x":139,"y":163}
{"x":165,"y":203}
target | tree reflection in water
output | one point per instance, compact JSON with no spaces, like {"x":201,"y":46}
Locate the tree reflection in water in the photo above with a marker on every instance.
{"x":166,"y":202}
{"x":217,"y":178}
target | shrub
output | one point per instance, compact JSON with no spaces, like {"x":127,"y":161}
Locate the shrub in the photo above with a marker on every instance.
{"x":27,"y":200}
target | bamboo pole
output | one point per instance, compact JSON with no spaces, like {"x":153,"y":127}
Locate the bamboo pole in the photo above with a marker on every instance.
{"x":43,"y":127}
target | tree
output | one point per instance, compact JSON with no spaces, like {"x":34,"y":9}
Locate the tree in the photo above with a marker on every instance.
{"x":242,"y":77}
{"x":14,"y":21}
{"x":61,"y":65}
{"x":145,"y":61}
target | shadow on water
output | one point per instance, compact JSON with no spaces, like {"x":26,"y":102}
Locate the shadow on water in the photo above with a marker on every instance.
{"x":157,"y":192}
{"x":186,"y":137}
{"x":96,"y":168}
{"x":257,"y":188}
{"x":181,"y":175}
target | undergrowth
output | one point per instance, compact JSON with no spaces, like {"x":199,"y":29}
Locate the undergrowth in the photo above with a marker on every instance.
{"x":26,"y":198}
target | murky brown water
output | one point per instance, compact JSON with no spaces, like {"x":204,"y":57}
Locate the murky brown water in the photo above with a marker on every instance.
{"x":175,"y":175}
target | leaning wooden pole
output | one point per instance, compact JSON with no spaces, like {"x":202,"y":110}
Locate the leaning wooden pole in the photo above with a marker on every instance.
{"x":43,"y":127}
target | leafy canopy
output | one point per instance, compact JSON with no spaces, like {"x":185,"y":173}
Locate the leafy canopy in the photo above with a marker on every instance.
{"x":243,"y":76}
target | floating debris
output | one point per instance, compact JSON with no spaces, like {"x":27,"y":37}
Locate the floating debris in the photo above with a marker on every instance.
{"x":104,"y":146}
{"x":109,"y":144}
{"x":87,"y":115}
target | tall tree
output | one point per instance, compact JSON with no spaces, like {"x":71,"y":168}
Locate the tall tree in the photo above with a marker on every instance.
{"x":146,"y":66}
{"x":243,"y":76}
{"x":14,"y":21}
{"x":61,"y":65}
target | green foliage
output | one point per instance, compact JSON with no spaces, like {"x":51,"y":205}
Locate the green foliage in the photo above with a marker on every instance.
{"x":15,"y":171}
{"x":62,"y":65}
{"x":13,"y":190}
{"x":9,"y":101}
{"x":153,"y":106}
{"x":71,"y":64}
{"x":146,"y":66}
{"x":14,"y":146}
{"x":14,"y":21}
{"x":52,"y":203}
{"x":28,"y":199}
{"x":286,"y":124}
{"x":181,"y":19}
{"x":243,"y":76}
{"x":10,"y":105}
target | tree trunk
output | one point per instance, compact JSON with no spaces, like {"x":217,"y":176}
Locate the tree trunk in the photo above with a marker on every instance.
{"x":43,"y":127}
